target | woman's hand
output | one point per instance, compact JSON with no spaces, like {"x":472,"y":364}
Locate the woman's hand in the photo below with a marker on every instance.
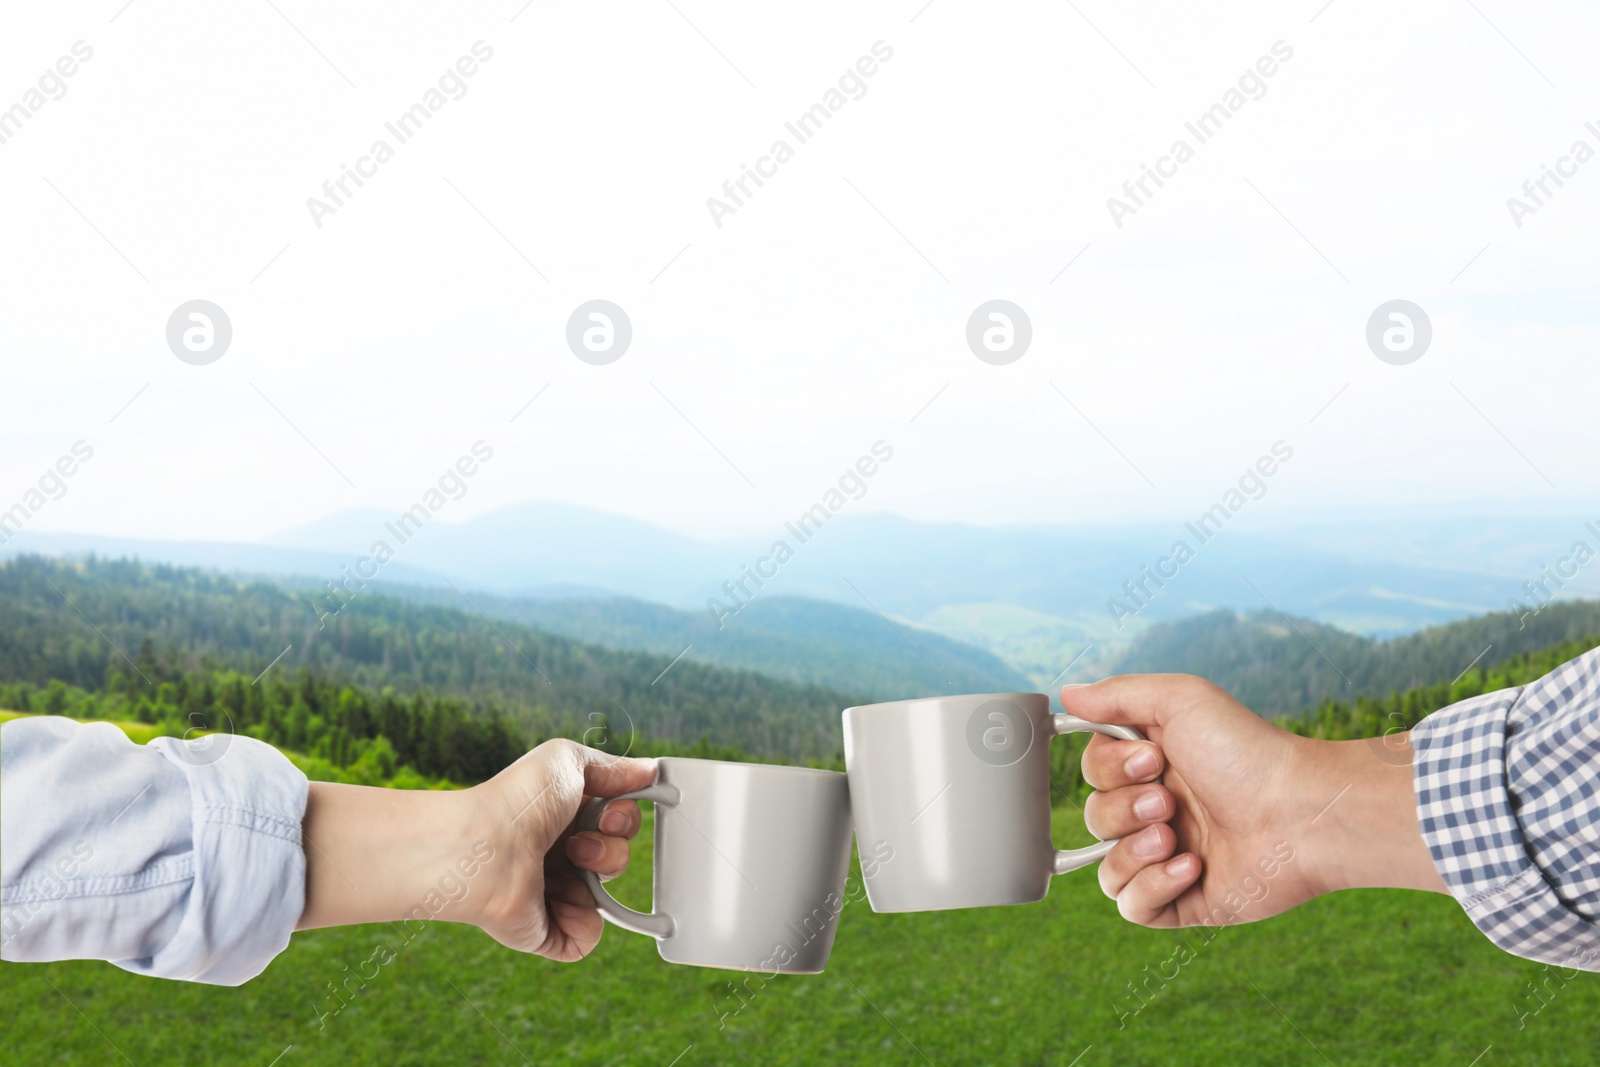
{"x":1248,"y":820}
{"x":540,"y":903}
{"x":501,"y":855}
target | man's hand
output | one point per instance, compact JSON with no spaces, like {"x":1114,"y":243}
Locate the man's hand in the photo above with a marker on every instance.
{"x":1238,"y":798}
{"x":501,"y":855}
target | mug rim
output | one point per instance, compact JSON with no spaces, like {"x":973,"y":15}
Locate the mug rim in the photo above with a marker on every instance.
{"x":896,"y":705}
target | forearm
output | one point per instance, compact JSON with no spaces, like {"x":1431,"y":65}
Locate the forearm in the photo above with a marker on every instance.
{"x":502,"y":856}
{"x":1364,"y":832}
{"x":381,"y":855}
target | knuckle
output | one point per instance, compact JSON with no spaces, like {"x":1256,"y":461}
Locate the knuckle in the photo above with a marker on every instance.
{"x":1190,"y":685}
{"x":551,"y":751}
{"x":1199,"y":689}
{"x":561,"y":746}
{"x":563,"y":757}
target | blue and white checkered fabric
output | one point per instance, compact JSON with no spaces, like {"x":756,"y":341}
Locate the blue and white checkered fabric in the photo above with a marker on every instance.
{"x":1508,"y":795}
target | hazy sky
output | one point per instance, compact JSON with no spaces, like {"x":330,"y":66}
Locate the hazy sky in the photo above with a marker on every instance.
{"x":830,"y":310}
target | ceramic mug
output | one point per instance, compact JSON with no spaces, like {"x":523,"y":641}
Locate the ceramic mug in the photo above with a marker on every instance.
{"x":750,"y":864}
{"x":959,"y":788}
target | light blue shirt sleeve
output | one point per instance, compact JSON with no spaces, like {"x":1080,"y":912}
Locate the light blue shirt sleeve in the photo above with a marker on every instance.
{"x":179,"y":859}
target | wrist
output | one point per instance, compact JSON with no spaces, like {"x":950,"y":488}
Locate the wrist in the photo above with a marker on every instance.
{"x":493,"y":859}
{"x":1359,"y":816}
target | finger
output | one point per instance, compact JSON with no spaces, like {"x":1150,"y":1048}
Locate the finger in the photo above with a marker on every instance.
{"x":1142,"y":700}
{"x":1111,"y":764}
{"x":571,"y":888}
{"x":605,"y":775}
{"x":601,"y":853}
{"x":1148,"y":898}
{"x":574,"y":931}
{"x":621,"y":819}
{"x":1133,"y":854}
{"x":1120,"y":812}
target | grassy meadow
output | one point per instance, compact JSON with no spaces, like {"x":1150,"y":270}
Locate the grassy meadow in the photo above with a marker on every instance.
{"x":1357,"y":978}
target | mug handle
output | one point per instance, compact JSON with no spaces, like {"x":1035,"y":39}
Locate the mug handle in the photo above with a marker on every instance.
{"x":652,"y":924}
{"x":1070,"y":859}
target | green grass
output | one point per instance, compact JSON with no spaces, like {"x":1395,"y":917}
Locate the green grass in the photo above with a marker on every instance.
{"x":1372,"y":977}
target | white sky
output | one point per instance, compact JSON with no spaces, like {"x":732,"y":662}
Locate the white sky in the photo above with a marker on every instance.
{"x":404,"y":329}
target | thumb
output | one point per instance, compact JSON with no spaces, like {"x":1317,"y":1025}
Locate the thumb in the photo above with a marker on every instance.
{"x":1141,"y":700}
{"x":605,"y":775}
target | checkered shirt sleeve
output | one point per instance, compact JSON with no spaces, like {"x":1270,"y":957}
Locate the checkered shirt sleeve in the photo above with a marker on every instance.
{"x":1508,"y":796}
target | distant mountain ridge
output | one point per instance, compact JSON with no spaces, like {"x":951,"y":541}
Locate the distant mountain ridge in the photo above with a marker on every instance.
{"x":805,"y":641}
{"x":79,"y":621}
{"x":1038,"y":598}
{"x":1282,"y":667}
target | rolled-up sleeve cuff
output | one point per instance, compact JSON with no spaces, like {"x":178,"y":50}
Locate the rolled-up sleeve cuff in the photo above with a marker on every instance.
{"x":249,"y":864}
{"x":1465,"y":810}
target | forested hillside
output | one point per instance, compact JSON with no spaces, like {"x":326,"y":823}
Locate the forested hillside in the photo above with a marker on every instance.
{"x":117,"y":627}
{"x":1276,"y":668}
{"x":333,"y":732}
{"x":82,"y":623}
{"x":392,"y":691}
{"x":1374,"y":717}
{"x":807,"y":641}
